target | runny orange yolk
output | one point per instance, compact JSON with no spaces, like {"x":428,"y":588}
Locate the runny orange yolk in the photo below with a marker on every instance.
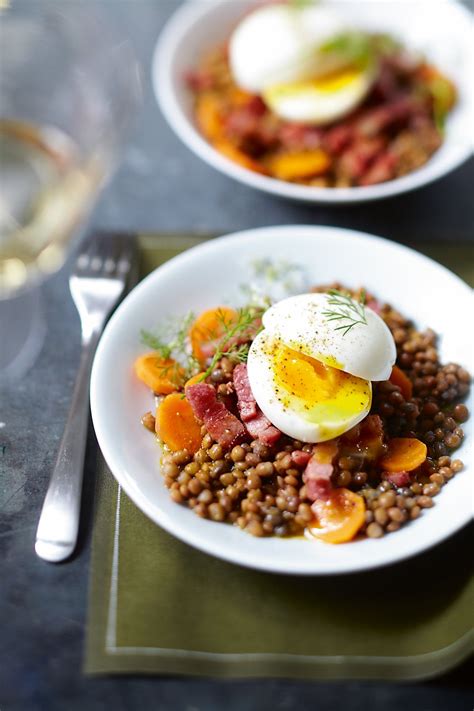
{"x":328,"y":84}
{"x":313,"y":383}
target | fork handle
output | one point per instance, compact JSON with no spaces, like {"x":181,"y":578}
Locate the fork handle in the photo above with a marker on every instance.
{"x":56,"y":536}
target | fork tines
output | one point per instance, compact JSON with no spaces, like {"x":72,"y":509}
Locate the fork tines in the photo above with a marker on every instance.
{"x":107,"y":254}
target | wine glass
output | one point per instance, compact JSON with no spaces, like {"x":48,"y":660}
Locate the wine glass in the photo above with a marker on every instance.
{"x":69,"y":85}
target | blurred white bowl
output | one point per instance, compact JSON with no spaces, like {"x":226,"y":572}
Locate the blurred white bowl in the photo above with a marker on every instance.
{"x":442,"y":30}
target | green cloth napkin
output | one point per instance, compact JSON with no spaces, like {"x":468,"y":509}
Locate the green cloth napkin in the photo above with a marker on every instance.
{"x":156,"y":249}
{"x":158,"y":606}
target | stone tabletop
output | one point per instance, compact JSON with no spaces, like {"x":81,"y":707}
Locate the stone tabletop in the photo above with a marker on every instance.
{"x":161,"y":186}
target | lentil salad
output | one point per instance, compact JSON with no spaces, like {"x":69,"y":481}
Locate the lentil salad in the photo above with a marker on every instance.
{"x":390,"y":132}
{"x":261,"y":486}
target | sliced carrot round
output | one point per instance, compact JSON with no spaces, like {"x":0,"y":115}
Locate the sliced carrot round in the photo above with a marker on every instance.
{"x":404,"y":454}
{"x":208,"y":329}
{"x":298,"y":166}
{"x":231,"y":151}
{"x":162,"y":375}
{"x":398,"y":377}
{"x":176,"y":425}
{"x":339,"y":517}
{"x":240,"y":97}
{"x":209,"y":116}
{"x":194,"y":379}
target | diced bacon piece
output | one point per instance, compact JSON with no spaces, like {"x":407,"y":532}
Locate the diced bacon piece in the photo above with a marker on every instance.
{"x":248,"y":124}
{"x":386,"y":86}
{"x":221,"y":424}
{"x":356,"y":159}
{"x":380,"y":171}
{"x":374,"y":121}
{"x":247,"y":404}
{"x":257,"y":424}
{"x":405,"y":62}
{"x":300,"y":458}
{"x":242,"y":123}
{"x":298,"y":137}
{"x":262,"y":429}
{"x":338,"y":138}
{"x":199,"y":80}
{"x":257,"y":106}
{"x":375,"y":305}
{"x":318,"y":472}
{"x":398,"y":479}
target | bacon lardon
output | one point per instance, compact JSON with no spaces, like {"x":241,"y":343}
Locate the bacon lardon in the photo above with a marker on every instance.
{"x":300,"y":457}
{"x":257,"y":424}
{"x":398,"y":479}
{"x":247,"y":404}
{"x":318,"y":472}
{"x":221,"y":424}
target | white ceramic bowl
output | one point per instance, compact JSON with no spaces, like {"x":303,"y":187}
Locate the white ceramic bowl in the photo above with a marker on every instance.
{"x":214,"y":272}
{"x":441,"y":28}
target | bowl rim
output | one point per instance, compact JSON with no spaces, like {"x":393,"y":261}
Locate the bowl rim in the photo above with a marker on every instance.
{"x":167,"y":46}
{"x":175,"y":528}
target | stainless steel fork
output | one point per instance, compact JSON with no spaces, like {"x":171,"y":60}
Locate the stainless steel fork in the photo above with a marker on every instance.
{"x":102,"y":269}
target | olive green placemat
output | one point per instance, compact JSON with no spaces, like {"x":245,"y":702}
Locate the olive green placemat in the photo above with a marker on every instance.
{"x":158,"y":606}
{"x":156,"y":249}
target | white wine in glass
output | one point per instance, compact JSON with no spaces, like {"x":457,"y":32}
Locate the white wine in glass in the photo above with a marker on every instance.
{"x":44,"y":195}
{"x":69,"y":85}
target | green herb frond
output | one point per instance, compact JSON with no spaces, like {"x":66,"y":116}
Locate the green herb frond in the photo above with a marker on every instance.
{"x":298,"y":4}
{"x":346,"y":309}
{"x":274,"y":271}
{"x":232,"y":338}
{"x":171,"y":341}
{"x":155,"y":343}
{"x":353,"y":47}
{"x":236,"y":336}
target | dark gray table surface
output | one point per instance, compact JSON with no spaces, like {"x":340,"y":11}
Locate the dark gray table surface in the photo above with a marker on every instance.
{"x":161,"y":186}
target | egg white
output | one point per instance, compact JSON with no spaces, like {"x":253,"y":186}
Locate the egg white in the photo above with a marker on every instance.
{"x":309,"y":416}
{"x":278,"y":44}
{"x":320,"y":101}
{"x":367,"y":350}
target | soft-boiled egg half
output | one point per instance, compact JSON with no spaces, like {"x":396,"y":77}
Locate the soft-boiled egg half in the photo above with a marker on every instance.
{"x":311,"y":378}
{"x":275,"y":44}
{"x":285,"y":53}
{"x":322,"y":100}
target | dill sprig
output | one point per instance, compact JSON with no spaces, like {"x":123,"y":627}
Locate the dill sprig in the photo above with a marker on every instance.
{"x":245,"y":327}
{"x":354,"y":47}
{"x":171,"y":341}
{"x":299,"y":4}
{"x":347,"y":309}
{"x":272,"y":280}
{"x":232,"y":339}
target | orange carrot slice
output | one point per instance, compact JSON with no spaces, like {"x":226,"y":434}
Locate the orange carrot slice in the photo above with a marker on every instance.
{"x":162,"y":375}
{"x":208,"y":116}
{"x":176,"y":425}
{"x":339,"y":517}
{"x":398,"y":377}
{"x":298,"y":166}
{"x":208,"y":329}
{"x":231,"y":151}
{"x":443,"y":90}
{"x":195,"y":379}
{"x":404,"y":454}
{"x":239,"y":97}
